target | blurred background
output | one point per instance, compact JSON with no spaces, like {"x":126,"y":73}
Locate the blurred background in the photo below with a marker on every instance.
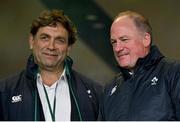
{"x":92,"y":52}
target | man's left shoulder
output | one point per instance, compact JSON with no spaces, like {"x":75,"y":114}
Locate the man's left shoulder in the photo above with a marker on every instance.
{"x":172,"y":63}
{"x":88,"y":82}
{"x":84,"y":78}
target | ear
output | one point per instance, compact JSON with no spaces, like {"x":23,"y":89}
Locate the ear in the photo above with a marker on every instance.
{"x":147,"y":40}
{"x":31,"y":41}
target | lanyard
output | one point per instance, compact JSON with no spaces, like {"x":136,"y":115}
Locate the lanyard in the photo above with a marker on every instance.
{"x":52,"y":112}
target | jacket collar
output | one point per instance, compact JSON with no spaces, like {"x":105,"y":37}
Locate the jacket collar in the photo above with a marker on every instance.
{"x":31,"y":67}
{"x":31,"y":74}
{"x":145,"y":63}
{"x":152,"y":58}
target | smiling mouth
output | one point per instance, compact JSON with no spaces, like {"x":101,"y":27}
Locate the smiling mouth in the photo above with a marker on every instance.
{"x":50,"y":54}
{"x":121,"y":55}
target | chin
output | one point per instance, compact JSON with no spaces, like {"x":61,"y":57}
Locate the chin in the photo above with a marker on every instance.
{"x":123,"y":65}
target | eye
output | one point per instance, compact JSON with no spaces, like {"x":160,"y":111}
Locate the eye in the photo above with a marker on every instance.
{"x":124,"y":39}
{"x":44,"y":38}
{"x":61,"y":41}
{"x":113,"y":41}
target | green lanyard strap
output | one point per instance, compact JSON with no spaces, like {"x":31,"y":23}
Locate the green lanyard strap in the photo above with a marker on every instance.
{"x":52,"y":112}
{"x":35,"y":112}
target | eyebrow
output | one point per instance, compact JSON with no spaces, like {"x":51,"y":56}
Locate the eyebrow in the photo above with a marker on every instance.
{"x":121,"y":37}
{"x":44,"y":34}
{"x":58,"y":37}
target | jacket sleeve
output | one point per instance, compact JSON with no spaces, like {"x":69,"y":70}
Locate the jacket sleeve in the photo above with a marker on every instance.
{"x":1,"y":100}
{"x":101,"y":107}
{"x":102,"y":111}
{"x":175,"y":89}
{"x":1,"y":114}
{"x":103,"y":100}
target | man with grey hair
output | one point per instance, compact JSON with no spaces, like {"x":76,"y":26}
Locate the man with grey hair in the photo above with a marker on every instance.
{"x":148,"y":85}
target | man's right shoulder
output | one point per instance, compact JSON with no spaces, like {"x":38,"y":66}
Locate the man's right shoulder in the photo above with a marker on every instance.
{"x":10,"y":81}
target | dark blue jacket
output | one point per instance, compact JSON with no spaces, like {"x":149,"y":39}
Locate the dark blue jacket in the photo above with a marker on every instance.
{"x":151,"y":93}
{"x":19,"y":99}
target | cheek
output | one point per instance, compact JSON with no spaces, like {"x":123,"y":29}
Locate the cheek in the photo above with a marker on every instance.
{"x":37,"y":45}
{"x":36,"y":48}
{"x":63,"y":49}
{"x":136,"y":53}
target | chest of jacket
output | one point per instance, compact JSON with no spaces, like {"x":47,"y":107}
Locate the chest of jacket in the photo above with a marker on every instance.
{"x":18,"y":101}
{"x":143,"y":96}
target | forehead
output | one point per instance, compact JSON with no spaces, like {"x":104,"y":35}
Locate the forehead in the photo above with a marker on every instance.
{"x":123,"y":26}
{"x":53,"y":30}
{"x":123,"y":21}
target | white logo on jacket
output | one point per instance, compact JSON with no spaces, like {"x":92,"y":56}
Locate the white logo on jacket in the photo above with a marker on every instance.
{"x":89,"y":93}
{"x":16,"y":99}
{"x":154,"y":81}
{"x":113,"y":90}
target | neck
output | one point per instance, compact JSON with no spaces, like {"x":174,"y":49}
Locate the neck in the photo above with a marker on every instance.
{"x":50,"y":77}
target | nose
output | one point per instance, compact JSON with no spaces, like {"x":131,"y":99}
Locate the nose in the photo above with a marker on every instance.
{"x":118,"y":47}
{"x":51,"y":45}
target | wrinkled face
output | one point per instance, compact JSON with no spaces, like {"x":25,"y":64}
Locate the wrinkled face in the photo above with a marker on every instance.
{"x":129,"y":44}
{"x":50,"y":47}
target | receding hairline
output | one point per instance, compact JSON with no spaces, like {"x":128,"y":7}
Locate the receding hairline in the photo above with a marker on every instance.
{"x":139,"y":20}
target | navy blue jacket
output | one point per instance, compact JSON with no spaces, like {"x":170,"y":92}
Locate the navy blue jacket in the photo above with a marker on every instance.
{"x":151,"y":93}
{"x":19,"y":99}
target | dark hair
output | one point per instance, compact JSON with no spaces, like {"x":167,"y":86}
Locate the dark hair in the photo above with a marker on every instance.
{"x":140,"y":21}
{"x":53,"y":18}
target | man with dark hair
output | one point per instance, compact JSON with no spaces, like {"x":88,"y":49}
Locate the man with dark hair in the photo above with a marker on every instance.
{"x":49,"y":89}
{"x":148,"y":85}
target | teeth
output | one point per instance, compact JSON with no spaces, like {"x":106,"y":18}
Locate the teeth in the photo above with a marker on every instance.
{"x":51,"y":54}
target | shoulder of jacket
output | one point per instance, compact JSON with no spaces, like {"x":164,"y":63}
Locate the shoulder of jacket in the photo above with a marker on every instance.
{"x":85,"y":79}
{"x":171,"y":72}
{"x":109,"y":86}
{"x":171,"y":65}
{"x":10,"y":82}
{"x":88,"y":82}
